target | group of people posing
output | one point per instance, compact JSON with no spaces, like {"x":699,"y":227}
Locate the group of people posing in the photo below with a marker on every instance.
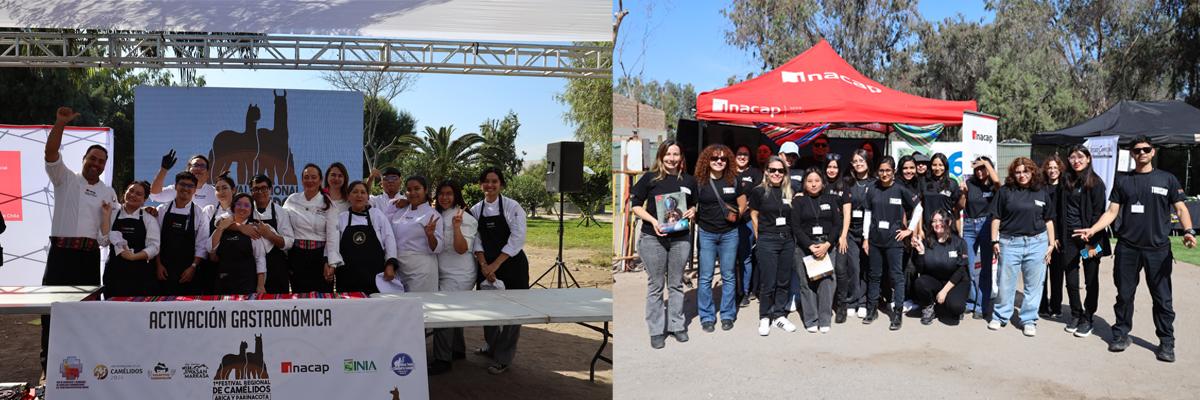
{"x":834,"y":236}
{"x":333,"y":236}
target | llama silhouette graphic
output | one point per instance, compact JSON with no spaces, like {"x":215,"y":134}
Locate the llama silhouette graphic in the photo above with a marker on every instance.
{"x":243,"y":365}
{"x":256,"y":150}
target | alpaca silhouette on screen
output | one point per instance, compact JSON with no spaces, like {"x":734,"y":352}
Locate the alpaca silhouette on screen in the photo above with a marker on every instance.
{"x":257,"y":150}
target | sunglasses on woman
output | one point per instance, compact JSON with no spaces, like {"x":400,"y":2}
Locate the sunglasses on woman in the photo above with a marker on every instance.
{"x":775,"y":170}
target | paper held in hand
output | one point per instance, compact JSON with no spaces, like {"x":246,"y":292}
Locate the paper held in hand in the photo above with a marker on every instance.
{"x":818,"y":268}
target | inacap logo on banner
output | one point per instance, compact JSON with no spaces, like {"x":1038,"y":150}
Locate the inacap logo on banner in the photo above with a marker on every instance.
{"x":274,"y":132}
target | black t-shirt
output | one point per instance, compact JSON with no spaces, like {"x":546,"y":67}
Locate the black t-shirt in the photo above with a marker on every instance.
{"x":646,"y":188}
{"x":710,"y":215}
{"x":839,"y":188}
{"x":979,"y":198}
{"x":945,"y":261}
{"x":1074,"y":200}
{"x":750,"y":178}
{"x":888,"y":208}
{"x":1146,"y":202}
{"x":939,"y":195}
{"x":858,"y":205}
{"x":773,"y":215}
{"x":1022,"y":212}
{"x":797,"y":175}
{"x":815,"y":219}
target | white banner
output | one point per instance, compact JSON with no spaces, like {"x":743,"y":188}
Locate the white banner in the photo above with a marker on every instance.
{"x":952,"y":150}
{"x":238,"y":350}
{"x":27,"y":196}
{"x":979,"y":137}
{"x":1104,"y":159}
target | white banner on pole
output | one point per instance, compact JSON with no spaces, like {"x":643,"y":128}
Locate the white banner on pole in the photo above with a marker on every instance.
{"x":238,"y":350}
{"x":979,"y":137}
{"x":1104,"y":159}
{"x":27,"y":196}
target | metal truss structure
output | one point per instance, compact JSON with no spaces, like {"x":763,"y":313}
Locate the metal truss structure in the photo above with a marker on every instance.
{"x":257,"y":51}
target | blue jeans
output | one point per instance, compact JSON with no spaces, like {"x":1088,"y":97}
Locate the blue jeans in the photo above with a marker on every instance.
{"x":711,"y":246}
{"x":745,"y":257}
{"x":1025,"y":255}
{"x":977,"y":232}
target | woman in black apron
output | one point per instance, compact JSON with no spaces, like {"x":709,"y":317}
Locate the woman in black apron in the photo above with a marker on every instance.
{"x":184,"y":239}
{"x":134,"y":240}
{"x":276,"y":228}
{"x":241,"y":261}
{"x":206,"y":273}
{"x":499,"y":252}
{"x":365,"y":244}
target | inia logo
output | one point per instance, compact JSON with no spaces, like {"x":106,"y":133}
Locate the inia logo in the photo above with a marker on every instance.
{"x":722,"y":105}
{"x":803,"y":77}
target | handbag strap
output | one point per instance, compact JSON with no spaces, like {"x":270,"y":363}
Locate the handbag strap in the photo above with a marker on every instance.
{"x":717,"y":193}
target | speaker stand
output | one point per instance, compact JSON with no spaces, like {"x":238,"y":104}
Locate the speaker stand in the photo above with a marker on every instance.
{"x":561,"y":273}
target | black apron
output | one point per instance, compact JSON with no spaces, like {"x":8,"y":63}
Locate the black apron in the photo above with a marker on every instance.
{"x":178,"y":251}
{"x":206,"y":271}
{"x":236,"y":271}
{"x":493,"y":234}
{"x":277,"y":267}
{"x":362,"y":257}
{"x":129,"y":278}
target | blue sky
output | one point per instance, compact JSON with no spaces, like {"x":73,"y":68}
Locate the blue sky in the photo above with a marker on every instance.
{"x":684,"y":41}
{"x":437,"y":100}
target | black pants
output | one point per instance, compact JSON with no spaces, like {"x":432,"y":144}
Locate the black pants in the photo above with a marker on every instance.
{"x":846,"y":271}
{"x":1052,"y":291}
{"x":308,"y":270}
{"x":925,"y":290}
{"x":1157,"y":264}
{"x":67,"y":267}
{"x":1091,"y":277}
{"x":775,"y":258}
{"x":893,"y":258}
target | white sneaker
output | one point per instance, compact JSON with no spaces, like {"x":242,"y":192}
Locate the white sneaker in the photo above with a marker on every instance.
{"x":792,"y":305}
{"x":811,"y":329}
{"x":764,"y":327}
{"x":1030,"y":330}
{"x":824,"y":329}
{"x":908,"y":305}
{"x":784,"y":324}
{"x":861,"y":313}
{"x":994,"y":325}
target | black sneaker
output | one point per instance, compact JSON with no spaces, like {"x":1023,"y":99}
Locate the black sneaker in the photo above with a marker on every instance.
{"x":658,"y":341}
{"x":872,"y":314}
{"x":680,"y":336}
{"x":897,"y":319}
{"x":1119,"y":344}
{"x":1084,"y":329}
{"x":726,"y":324}
{"x":1073,"y":324}
{"x":439,"y":367}
{"x":1165,"y":352}
{"x":840,"y":315}
{"x":745,"y":302}
{"x":927,"y":315}
{"x":708,"y":326}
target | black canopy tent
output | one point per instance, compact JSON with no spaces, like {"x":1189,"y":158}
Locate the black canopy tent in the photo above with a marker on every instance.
{"x":1166,"y":123}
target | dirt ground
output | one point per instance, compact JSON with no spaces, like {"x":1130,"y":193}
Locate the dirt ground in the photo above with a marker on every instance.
{"x":937,"y":361}
{"x":552,"y":359}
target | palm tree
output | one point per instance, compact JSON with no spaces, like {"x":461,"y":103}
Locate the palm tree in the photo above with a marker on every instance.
{"x":438,"y":156}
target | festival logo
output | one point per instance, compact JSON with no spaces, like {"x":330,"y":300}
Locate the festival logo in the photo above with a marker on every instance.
{"x":351,"y":366}
{"x":402,"y":364}
{"x":242,"y":376}
{"x":118,"y":372}
{"x":70,"y":369}
{"x":160,"y":372}
{"x":100,"y":372}
{"x":258,"y":150}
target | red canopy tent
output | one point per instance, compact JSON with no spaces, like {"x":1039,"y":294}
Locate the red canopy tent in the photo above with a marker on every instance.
{"x":818,"y":86}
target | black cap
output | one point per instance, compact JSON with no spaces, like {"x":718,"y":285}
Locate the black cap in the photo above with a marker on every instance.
{"x":920,"y":157}
{"x":391,"y":171}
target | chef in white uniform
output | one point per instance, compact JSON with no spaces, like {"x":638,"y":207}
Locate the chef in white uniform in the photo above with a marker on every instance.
{"x":205,"y":194}
{"x":456,"y":268}
{"x":418,"y":238}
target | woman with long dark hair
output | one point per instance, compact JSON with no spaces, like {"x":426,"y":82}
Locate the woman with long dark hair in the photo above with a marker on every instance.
{"x":1023,"y":228}
{"x":816,"y":227}
{"x":1052,"y":169}
{"x":977,"y":232}
{"x":748,"y":176}
{"x":940,"y":192}
{"x":664,"y":253}
{"x":851,"y":259}
{"x":720,"y":203}
{"x":942,"y":280}
{"x":206,"y":272}
{"x":770,"y":212}
{"x":418,"y":239}
{"x":839,"y":186}
{"x":337,"y":187}
{"x":456,"y":268}
{"x":500,"y":253}
{"x":133,"y":241}
{"x":312,"y":216}
{"x":893,"y":215}
{"x":1083,"y":203}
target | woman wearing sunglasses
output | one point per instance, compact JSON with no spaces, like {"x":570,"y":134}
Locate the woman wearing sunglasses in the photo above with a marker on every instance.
{"x":770,"y":210}
{"x":720,"y":203}
{"x":977,"y":232}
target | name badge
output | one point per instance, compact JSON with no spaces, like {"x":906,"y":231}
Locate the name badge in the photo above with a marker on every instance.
{"x":685,"y":190}
{"x":1137,"y":209}
{"x":747,"y":179}
{"x":818,"y":230}
{"x":987,"y":194}
{"x":856,"y":214}
{"x":824,"y":207}
{"x":953,"y":253}
{"x":1039,"y":203}
{"x":1159,"y":191}
{"x":727,"y":190}
{"x":797,"y":178}
{"x":781,"y":221}
{"x":884,"y":225}
{"x":945,"y":193}
{"x":894,"y":200}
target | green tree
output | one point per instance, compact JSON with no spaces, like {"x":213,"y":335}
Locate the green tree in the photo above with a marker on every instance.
{"x":677,"y":100}
{"x":383,"y":147}
{"x":529,"y":190}
{"x":595,"y":193}
{"x":589,"y":102}
{"x":499,"y":144}
{"x":378,"y":88}
{"x":439,"y":156}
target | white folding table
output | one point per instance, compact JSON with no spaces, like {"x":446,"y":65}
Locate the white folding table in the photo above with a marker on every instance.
{"x":37,"y":299}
